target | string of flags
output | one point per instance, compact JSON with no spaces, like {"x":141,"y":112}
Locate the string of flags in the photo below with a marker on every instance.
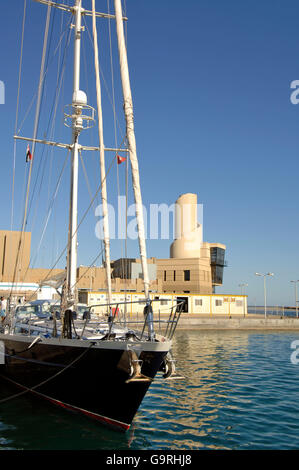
{"x":29,"y":156}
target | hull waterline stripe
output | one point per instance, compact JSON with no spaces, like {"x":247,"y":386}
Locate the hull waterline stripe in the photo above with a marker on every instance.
{"x":90,"y":414}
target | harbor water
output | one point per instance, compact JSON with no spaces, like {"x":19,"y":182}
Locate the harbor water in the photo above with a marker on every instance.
{"x":240,"y":391}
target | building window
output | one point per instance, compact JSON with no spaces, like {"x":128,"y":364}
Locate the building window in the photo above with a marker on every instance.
{"x":164,"y":275}
{"x":218,"y":303}
{"x":217,"y":264}
{"x":198,"y":302}
{"x":163,"y":302}
{"x":187,"y":275}
{"x":239,"y":303}
{"x":174,"y":275}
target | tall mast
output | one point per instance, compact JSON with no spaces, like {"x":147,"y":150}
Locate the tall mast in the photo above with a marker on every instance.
{"x":128,"y":109}
{"x":102,"y":155}
{"x":81,"y":116}
{"x":78,"y":99}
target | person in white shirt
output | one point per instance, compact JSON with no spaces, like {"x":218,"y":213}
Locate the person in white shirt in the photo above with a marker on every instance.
{"x":3,"y":303}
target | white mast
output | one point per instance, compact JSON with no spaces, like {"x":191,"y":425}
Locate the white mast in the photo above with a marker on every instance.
{"x":102,"y":155}
{"x":78,"y":98}
{"x":128,"y":108}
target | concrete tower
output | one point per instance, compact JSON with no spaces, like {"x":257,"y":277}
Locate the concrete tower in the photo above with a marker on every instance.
{"x":188,"y":232}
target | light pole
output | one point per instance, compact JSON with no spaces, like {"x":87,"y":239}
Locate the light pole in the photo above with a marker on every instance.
{"x":265,"y":290}
{"x":243,"y":286}
{"x":296,"y":304}
{"x":243,"y":293}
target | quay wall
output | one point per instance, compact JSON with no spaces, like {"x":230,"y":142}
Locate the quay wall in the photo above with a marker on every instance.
{"x":241,"y":323}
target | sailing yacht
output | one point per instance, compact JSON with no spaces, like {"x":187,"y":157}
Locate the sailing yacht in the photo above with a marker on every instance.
{"x":86,"y":365}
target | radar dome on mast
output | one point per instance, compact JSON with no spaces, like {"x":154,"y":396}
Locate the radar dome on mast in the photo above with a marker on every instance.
{"x":79,"y":98}
{"x":79,"y":115}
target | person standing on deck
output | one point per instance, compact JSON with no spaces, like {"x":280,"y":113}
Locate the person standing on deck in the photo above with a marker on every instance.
{"x":3,"y":302}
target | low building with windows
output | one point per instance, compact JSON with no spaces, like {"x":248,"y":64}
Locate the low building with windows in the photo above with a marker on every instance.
{"x":209,"y":304}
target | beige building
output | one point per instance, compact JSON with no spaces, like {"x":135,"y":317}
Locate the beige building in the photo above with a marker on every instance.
{"x":194,"y":266}
{"x":94,"y":278}
{"x":14,"y":249}
{"x":185,"y":276}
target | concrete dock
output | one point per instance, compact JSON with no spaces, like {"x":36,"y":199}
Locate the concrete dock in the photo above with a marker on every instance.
{"x":236,"y":322}
{"x":203,"y":322}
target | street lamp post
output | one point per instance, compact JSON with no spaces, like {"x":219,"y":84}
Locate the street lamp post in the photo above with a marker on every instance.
{"x":243,"y":286}
{"x":296,"y":304}
{"x":265,"y":290}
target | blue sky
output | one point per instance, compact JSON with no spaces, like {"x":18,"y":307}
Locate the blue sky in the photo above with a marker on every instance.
{"x":213,"y":116}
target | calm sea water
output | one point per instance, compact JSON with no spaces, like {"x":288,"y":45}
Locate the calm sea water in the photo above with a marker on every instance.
{"x":240,"y":391}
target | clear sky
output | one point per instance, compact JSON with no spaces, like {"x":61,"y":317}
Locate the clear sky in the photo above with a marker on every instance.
{"x":213,"y":116}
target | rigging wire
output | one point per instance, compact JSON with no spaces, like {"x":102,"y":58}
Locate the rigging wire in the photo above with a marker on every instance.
{"x":89,"y":267}
{"x":102,"y":153}
{"x":50,"y":210}
{"x":35,"y":94}
{"x":17,"y":112}
{"x":103,"y":78}
{"x":97,"y":161}
{"x":75,"y":232}
{"x":34,"y":135}
{"x":114,"y":118}
{"x":54,"y":107}
{"x":52,"y":117}
{"x":112,"y":102}
{"x":124,"y":274}
{"x":38,"y":121}
{"x":52,"y":137}
{"x":58,"y":90}
{"x":85,"y":174}
{"x":40,"y":97}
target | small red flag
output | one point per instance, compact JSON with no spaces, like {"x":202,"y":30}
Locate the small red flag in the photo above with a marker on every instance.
{"x":120,"y":159}
{"x":28,"y":154}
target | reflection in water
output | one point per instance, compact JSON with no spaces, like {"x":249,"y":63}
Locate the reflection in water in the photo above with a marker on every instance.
{"x":233,"y":395}
{"x":239,"y":392}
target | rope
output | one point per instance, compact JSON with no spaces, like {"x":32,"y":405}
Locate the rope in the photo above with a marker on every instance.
{"x":45,"y":381}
